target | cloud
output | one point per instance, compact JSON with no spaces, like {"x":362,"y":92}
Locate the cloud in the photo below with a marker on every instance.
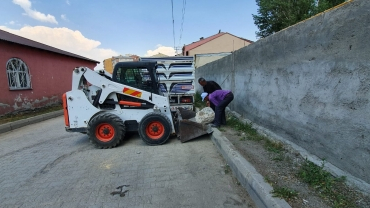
{"x":67,"y":40}
{"x":26,"y":6}
{"x":13,"y":23}
{"x":68,"y":2}
{"x":64,"y":17}
{"x":169,"y":51}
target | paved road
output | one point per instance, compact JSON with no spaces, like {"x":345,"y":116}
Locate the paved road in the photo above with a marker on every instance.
{"x":41,"y":165}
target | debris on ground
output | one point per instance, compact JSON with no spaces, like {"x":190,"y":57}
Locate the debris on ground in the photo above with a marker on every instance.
{"x":120,"y":192}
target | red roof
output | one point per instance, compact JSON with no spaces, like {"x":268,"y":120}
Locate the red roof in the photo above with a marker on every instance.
{"x":202,"y":41}
{"x":205,"y":40}
{"x":6,"y":36}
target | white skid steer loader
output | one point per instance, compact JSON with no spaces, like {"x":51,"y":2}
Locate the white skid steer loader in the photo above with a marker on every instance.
{"x":107,"y":106}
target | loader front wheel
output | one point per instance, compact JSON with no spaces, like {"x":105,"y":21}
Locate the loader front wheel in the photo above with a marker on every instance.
{"x":155,"y":128}
{"x":106,"y":130}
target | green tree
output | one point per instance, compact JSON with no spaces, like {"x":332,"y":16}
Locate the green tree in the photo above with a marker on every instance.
{"x":275,"y":15}
{"x":327,"y":4}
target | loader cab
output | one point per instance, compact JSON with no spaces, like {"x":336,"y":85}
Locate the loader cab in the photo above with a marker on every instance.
{"x":140,"y":75}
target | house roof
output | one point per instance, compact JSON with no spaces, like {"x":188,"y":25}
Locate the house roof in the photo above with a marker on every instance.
{"x":168,"y":58}
{"x":202,"y":41}
{"x":159,"y":55}
{"x":205,"y":40}
{"x":123,"y":57}
{"x":9,"y":37}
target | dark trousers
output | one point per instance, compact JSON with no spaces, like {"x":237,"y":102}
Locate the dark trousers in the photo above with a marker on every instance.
{"x":212,"y":106}
{"x":223,"y":117}
{"x":220,"y":115}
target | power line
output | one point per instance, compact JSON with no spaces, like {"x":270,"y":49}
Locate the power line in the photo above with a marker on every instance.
{"x":173,"y":27}
{"x":182,"y":21}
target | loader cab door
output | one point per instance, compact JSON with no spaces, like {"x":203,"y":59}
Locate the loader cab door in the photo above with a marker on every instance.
{"x":137,"y":76}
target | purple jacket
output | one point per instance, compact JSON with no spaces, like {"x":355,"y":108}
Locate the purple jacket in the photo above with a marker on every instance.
{"x":217,"y":96}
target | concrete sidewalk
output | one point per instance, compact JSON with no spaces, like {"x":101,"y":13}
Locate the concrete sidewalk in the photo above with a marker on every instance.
{"x":20,"y":123}
{"x":246,"y":174}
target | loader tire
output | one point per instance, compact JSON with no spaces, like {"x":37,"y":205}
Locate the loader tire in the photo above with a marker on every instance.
{"x":106,"y":130}
{"x":155,"y":128}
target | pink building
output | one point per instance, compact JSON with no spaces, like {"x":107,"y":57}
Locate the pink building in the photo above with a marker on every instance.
{"x":34,"y":74}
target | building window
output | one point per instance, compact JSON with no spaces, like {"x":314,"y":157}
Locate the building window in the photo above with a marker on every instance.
{"x":18,"y":74}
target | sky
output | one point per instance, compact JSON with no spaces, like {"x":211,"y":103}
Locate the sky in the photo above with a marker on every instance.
{"x":101,"y":29}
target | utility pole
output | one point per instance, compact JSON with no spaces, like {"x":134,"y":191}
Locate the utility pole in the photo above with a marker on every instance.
{"x":177,"y":49}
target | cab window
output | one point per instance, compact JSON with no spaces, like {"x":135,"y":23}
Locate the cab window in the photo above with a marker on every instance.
{"x":135,"y":77}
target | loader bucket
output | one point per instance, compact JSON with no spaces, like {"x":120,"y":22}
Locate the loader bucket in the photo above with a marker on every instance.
{"x":187,"y":129}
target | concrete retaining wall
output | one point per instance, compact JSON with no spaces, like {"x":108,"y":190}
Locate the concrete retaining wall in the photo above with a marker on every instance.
{"x":310,"y":84}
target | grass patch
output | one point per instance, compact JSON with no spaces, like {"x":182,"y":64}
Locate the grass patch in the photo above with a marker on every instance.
{"x":279,"y":157}
{"x":246,"y":128}
{"x":227,"y":169}
{"x":11,"y":117}
{"x":268,"y":180}
{"x":252,"y":134}
{"x":274,"y":146}
{"x":332,"y":190}
{"x":315,"y":175}
{"x":198,"y":101}
{"x":329,"y":186}
{"x":284,"y":192}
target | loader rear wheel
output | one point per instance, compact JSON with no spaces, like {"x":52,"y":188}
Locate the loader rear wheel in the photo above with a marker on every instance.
{"x":106,"y":130}
{"x":155,"y":128}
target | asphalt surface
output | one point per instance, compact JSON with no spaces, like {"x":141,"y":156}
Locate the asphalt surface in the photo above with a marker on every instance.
{"x":44,"y":166}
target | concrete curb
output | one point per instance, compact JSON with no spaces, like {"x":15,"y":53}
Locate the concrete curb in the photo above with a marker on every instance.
{"x":246,"y":174}
{"x":17,"y":124}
